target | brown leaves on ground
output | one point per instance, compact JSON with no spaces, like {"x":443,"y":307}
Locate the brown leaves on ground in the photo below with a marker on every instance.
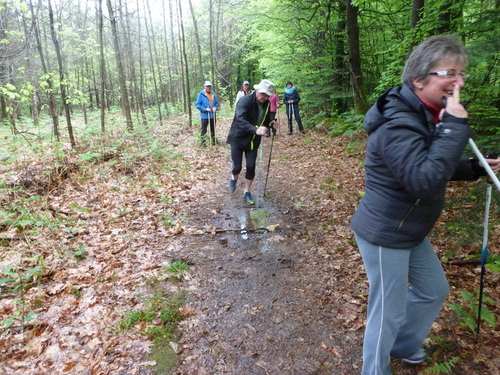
{"x":117,"y":223}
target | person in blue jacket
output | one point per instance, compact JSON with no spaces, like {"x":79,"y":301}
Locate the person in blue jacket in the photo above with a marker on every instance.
{"x":415,"y":145}
{"x":208,"y":104}
{"x":291,"y":99}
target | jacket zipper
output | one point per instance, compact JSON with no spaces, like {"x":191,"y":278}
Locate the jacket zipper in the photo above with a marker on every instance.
{"x":415,"y":205}
{"x":257,"y":126}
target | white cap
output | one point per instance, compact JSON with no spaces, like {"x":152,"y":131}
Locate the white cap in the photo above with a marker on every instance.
{"x":265,"y":87}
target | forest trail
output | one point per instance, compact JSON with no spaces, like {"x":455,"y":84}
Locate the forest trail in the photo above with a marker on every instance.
{"x":285,"y":301}
{"x":276,"y":288}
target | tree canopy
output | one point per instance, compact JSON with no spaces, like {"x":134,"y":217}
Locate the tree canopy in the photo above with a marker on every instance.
{"x":340,"y":54}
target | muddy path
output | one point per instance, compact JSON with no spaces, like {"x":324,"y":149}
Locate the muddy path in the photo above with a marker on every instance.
{"x":277,"y":288}
{"x":280,"y":288}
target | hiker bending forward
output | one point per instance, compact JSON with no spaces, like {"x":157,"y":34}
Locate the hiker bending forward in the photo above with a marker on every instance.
{"x":252,"y":119}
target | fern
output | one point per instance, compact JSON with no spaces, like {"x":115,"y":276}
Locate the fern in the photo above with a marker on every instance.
{"x":467,"y":311}
{"x":442,"y":368}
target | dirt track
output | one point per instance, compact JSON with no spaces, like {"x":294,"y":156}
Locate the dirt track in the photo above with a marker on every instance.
{"x":292,"y":301}
{"x":285,"y":301}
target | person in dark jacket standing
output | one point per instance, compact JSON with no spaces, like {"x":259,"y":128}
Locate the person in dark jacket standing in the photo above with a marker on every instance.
{"x":414,"y":148}
{"x":291,"y":99}
{"x":207,"y":103}
{"x":251,"y":120}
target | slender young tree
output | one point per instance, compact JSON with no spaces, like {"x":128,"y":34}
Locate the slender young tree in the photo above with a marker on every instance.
{"x":121,"y":71}
{"x":186,"y":65}
{"x":62,"y":84}
{"x":140,"y":84}
{"x":47,"y":75}
{"x":211,"y":37}
{"x":197,"y":43}
{"x":102,"y":69}
{"x":153,"y":58}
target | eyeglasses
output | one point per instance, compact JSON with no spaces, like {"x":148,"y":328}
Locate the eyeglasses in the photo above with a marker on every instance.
{"x":450,"y":74}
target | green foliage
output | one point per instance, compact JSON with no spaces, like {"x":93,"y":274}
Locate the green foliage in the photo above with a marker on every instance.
{"x":16,"y":280}
{"x":467,"y":228}
{"x":178,"y":269}
{"x":493,"y":262}
{"x":468,"y":311}
{"x":24,"y":214}
{"x":443,"y":368}
{"x":158,"y":319}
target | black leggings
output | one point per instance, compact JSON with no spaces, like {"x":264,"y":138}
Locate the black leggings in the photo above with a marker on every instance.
{"x":237,"y":159}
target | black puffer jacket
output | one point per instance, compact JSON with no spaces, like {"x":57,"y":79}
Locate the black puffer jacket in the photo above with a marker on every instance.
{"x":244,"y":126}
{"x":409,"y":161}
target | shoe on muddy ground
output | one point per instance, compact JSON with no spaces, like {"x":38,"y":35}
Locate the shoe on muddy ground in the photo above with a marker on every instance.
{"x":248,"y":199}
{"x":232,"y":185}
{"x":416,"y":358}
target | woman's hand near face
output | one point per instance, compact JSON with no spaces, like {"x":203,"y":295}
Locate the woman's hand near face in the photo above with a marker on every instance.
{"x":453,"y":105}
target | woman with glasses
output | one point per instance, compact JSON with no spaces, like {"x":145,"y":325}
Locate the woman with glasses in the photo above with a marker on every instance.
{"x":416,"y":135}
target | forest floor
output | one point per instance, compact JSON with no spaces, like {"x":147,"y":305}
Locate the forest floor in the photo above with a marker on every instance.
{"x":277,"y":288}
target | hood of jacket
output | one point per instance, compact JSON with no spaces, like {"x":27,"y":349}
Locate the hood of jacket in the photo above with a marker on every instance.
{"x":397,"y":102}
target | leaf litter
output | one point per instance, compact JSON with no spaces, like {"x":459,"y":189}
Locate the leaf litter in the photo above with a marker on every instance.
{"x":289,"y":299}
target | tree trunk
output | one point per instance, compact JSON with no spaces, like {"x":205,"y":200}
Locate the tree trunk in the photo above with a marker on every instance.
{"x":167,"y":89}
{"x":340,"y":69}
{"x":416,"y":12}
{"x":211,"y":37}
{"x":449,"y":16}
{"x":139,"y":86}
{"x":47,"y":75}
{"x":186,"y":66}
{"x":198,"y":43}
{"x":359,"y":91}
{"x":62,"y":85}
{"x":121,"y":71}
{"x":102,"y":69}
{"x":153,"y":56}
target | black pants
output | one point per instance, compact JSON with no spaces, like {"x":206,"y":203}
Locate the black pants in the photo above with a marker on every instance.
{"x":237,"y":160}
{"x":293,"y":109}
{"x":204,"y":128}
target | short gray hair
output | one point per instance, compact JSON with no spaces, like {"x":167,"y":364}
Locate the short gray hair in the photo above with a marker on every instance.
{"x":429,"y":53}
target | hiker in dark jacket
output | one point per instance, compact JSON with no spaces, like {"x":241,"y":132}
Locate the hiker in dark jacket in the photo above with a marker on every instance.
{"x":251,"y":120}
{"x":291,"y":99}
{"x":414,"y":148}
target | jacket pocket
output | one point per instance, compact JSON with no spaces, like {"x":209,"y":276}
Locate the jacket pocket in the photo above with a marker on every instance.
{"x":408,"y":213}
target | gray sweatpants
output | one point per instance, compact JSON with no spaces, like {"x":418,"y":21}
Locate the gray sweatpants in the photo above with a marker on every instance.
{"x":407,"y":288}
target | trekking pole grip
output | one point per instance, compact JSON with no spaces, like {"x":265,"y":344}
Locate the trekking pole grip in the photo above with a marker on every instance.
{"x":485,"y":164}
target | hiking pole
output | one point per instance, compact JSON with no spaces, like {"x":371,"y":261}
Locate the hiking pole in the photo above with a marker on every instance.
{"x":484,"y":254}
{"x":215,"y":124}
{"x":269,"y":161}
{"x":209,"y":128}
{"x":278,"y":117}
{"x":485,"y":164}
{"x":290,"y":118}
{"x":261,"y":148}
